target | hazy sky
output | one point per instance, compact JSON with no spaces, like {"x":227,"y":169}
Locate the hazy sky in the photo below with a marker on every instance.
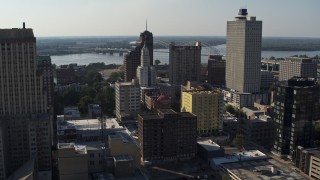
{"x":293,"y":18}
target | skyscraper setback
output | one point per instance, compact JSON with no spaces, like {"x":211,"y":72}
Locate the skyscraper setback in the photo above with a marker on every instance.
{"x":132,"y":59}
{"x":244,"y":53}
{"x":24,"y":120}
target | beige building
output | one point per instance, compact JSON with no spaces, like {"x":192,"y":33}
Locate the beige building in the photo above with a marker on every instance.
{"x":243,"y":61}
{"x":207,"y":106}
{"x":122,"y":143}
{"x":72,"y":162}
{"x":301,"y":67}
{"x":127,"y":97}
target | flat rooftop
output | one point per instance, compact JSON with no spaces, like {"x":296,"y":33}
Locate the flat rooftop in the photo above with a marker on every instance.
{"x":203,"y":92}
{"x":89,"y":124}
{"x":123,"y":158}
{"x":262,"y":169}
{"x":209,"y":145}
{"x":240,"y":156}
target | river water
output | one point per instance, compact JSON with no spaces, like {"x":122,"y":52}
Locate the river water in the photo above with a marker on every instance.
{"x":163,"y":56}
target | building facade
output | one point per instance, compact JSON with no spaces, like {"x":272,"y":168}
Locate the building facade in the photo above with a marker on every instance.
{"x":296,"y":106}
{"x":301,"y":67}
{"x":133,"y":59}
{"x":216,"y":71}
{"x":308,"y":161}
{"x":207,"y":106}
{"x":24,"y":115}
{"x":127,"y":97}
{"x":167,"y":136}
{"x":146,"y":73}
{"x":244,"y":53}
{"x":184,"y":63}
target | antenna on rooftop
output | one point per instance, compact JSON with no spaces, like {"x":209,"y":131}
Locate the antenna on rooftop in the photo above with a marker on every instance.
{"x":146,"y":24}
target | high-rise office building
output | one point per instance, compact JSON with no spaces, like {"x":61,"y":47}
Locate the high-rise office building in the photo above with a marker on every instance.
{"x":167,"y":136}
{"x":133,"y":59}
{"x":146,"y":73}
{"x":301,"y":67}
{"x":207,"y":106}
{"x":24,"y":118}
{"x":184,"y":63}
{"x":127,"y":97}
{"x":216,"y":70}
{"x":243,"y":62}
{"x":296,"y":106}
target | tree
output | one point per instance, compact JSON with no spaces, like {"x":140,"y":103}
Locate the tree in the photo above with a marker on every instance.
{"x":114,"y":76}
{"x":83,"y":104}
{"x":272,"y":58}
{"x":230,"y":109}
{"x":239,"y":140}
{"x":71,"y":97}
{"x":157,"y":62}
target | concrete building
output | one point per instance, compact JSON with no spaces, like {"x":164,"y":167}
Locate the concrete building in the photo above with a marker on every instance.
{"x":156,"y":102}
{"x":124,"y":148}
{"x":167,"y":136}
{"x":146,"y":73}
{"x":307,"y":160}
{"x":207,"y":149}
{"x":296,"y":106}
{"x":244,"y":53}
{"x":240,"y":100}
{"x":72,"y":161}
{"x":24,"y":114}
{"x":184,"y":63}
{"x":133,"y":59}
{"x":127,"y":97}
{"x":207,"y":106}
{"x":216,"y":71}
{"x":44,"y":65}
{"x":301,"y":67}
{"x":252,"y":165}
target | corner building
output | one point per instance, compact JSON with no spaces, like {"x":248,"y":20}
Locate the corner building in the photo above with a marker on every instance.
{"x":243,"y":62}
{"x":207,"y":106}
{"x":24,"y":120}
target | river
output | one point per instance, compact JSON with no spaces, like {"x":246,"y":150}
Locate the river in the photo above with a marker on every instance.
{"x":163,"y":56}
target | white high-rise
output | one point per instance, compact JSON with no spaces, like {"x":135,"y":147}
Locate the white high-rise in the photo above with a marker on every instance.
{"x":243,"y":62}
{"x":146,"y":73}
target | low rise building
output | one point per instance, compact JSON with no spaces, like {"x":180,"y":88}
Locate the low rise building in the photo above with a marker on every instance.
{"x":207,"y":149}
{"x":308,"y":161}
{"x":72,"y":162}
{"x":240,"y":100}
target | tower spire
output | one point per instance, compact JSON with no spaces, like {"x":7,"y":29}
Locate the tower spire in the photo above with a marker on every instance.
{"x":146,"y":24}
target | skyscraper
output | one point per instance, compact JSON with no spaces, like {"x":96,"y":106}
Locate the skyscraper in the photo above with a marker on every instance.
{"x":132,"y":59}
{"x":244,"y":53}
{"x":184,"y":63}
{"x":24,"y":120}
{"x":146,"y":73}
{"x":296,"y":106}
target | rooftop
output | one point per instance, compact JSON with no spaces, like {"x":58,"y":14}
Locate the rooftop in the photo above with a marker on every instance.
{"x":209,"y":145}
{"x":203,"y":92}
{"x":240,"y":156}
{"x":123,"y":158}
{"x":262,"y":169}
{"x":88,"y":124}
{"x":16,"y":34}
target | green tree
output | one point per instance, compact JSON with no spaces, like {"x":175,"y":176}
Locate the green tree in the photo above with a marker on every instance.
{"x":157,"y":62}
{"x":115,"y":76}
{"x":71,"y":97}
{"x":239,"y":140}
{"x":230,"y":109}
{"x":83,"y":104}
{"x":106,"y":98}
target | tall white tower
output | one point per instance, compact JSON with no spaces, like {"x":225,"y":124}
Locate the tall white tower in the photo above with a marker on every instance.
{"x":243,"y":62}
{"x":146,"y":73}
